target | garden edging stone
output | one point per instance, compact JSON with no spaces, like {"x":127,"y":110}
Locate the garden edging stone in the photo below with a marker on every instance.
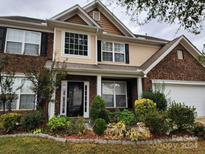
{"x":103,"y":141}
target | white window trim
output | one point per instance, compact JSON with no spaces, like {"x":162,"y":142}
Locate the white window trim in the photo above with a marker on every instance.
{"x":73,"y":55}
{"x":114,"y":93}
{"x":19,"y":93}
{"x":23,"y":42}
{"x":113,"y":52}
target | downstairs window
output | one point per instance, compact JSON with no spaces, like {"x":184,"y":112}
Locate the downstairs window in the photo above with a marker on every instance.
{"x":115,"y":94}
{"x":25,"y":97}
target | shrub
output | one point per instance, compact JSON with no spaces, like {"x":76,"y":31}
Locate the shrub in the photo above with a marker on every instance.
{"x":144,"y":107}
{"x":157,"y":97}
{"x":10,"y":121}
{"x":115,"y":131}
{"x":157,"y":123}
{"x":77,"y":126}
{"x":198,"y":129}
{"x":99,"y":126}
{"x":140,"y":132}
{"x":98,"y":109}
{"x":182,"y":116}
{"x":32,"y":120}
{"x":59,"y":123}
{"x":127,"y":117}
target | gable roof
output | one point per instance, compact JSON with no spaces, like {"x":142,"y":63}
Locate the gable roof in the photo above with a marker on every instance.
{"x":76,"y":9}
{"x":103,"y":9}
{"x":166,"y":49}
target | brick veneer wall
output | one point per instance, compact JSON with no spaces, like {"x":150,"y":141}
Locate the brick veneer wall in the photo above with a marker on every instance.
{"x":93,"y":84}
{"x":171,"y":68}
{"x":22,"y":62}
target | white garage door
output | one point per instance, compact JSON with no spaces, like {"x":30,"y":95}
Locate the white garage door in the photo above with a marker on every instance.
{"x":190,"y":93}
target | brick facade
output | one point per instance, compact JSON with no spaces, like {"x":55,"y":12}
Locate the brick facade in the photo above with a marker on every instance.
{"x":22,"y":62}
{"x":172,"y":68}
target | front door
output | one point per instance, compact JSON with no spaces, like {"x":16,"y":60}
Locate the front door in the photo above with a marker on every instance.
{"x":75,"y":99}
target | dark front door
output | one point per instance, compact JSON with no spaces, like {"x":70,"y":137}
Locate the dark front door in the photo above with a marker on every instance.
{"x":75,"y":99}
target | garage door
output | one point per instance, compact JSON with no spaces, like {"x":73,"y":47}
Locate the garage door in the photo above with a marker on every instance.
{"x":190,"y":93}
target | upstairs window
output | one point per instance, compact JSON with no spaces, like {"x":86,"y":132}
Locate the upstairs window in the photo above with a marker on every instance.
{"x":76,"y":44}
{"x":113,"y":52}
{"x":23,"y":42}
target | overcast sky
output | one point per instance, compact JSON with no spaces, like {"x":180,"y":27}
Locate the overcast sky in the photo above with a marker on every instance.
{"x":45,"y":9}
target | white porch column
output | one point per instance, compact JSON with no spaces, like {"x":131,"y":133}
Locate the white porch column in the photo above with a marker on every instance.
{"x":99,"y":84}
{"x":51,"y":105}
{"x":139,"y":87}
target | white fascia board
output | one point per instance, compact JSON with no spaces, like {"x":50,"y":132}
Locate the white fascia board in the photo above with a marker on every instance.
{"x":76,"y":7}
{"x":64,"y":12}
{"x":179,"y":82}
{"x":162,"y":56}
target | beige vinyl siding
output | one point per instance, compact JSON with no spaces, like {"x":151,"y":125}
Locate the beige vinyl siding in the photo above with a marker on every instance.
{"x":59,"y":48}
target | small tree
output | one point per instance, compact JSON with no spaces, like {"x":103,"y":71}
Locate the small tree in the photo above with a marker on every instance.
{"x":44,"y":83}
{"x":7,"y":92}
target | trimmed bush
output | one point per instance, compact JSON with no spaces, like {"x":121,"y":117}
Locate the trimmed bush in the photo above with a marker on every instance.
{"x":59,"y":123}
{"x":182,"y":116}
{"x":198,"y":129}
{"x":113,"y":116}
{"x":98,"y":110}
{"x":127,"y":117}
{"x":157,"y":123}
{"x":100,"y":126}
{"x":77,"y":126}
{"x":32,"y":120}
{"x":157,"y":97}
{"x":144,"y":107}
{"x":10,"y":121}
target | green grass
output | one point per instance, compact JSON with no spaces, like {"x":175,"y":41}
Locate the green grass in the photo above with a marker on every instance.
{"x":28,"y":145}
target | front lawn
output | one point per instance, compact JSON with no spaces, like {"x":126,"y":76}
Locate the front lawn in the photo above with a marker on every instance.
{"x":37,"y":145}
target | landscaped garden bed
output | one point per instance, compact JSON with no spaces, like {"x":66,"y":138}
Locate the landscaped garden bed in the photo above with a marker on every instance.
{"x":148,"y":122}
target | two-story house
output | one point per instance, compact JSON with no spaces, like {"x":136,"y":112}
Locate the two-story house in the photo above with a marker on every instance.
{"x":102,"y":57}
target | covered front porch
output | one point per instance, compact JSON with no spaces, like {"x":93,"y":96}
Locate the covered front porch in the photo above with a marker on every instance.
{"x":78,"y":88}
{"x":75,"y":96}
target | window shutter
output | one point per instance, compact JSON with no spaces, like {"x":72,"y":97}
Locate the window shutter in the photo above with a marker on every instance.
{"x":127,"y":53}
{"x":99,"y":49}
{"x":44,"y":44}
{"x":2,"y":38}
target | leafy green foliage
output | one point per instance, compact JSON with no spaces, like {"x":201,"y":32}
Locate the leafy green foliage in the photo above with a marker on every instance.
{"x":98,"y":109}
{"x":199,"y":129}
{"x":32,"y":120}
{"x":157,"y":97}
{"x":127,"y":117}
{"x":10,"y":121}
{"x":44,"y":82}
{"x":99,"y":126}
{"x":157,"y":123}
{"x":182,"y":116}
{"x":169,"y":11}
{"x":59,"y":123}
{"x":144,"y":107}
